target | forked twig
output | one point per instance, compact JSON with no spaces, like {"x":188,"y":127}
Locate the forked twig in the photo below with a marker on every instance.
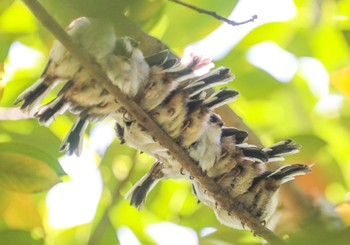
{"x":214,"y":14}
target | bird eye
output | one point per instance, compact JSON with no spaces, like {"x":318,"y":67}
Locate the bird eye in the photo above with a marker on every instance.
{"x":122,"y":48}
{"x":216,"y":120}
{"x":213,"y":119}
{"x":133,"y":42}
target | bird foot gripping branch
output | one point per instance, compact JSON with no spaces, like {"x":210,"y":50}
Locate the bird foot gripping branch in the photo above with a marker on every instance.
{"x":175,"y":98}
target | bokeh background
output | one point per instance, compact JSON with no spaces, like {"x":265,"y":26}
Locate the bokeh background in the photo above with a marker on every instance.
{"x":293,"y":73}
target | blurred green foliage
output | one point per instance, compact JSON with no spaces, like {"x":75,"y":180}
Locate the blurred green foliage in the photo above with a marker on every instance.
{"x":274,"y":110}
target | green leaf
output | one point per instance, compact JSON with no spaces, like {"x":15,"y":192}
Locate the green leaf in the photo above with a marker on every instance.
{"x":311,"y":144}
{"x":1,"y":89}
{"x":5,"y":43}
{"x":4,"y":4}
{"x":24,"y":168}
{"x":18,"y":237}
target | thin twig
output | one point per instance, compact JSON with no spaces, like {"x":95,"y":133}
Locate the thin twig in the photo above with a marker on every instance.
{"x":214,"y":14}
{"x":154,"y":130}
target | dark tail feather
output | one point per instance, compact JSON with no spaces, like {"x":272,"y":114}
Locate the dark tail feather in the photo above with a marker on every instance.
{"x":138,"y":193}
{"x":192,"y":105}
{"x":221,"y":97}
{"x":170,"y":63}
{"x":289,"y":172}
{"x":48,"y":112}
{"x":120,"y":133}
{"x":158,"y":59}
{"x":284,"y":147}
{"x":239,"y":135}
{"x":214,"y":78}
{"x":182,"y":72}
{"x":253,"y":153}
{"x":73,"y":142}
{"x":32,"y":96}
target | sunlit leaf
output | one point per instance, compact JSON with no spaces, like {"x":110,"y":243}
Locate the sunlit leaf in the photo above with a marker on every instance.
{"x":1,"y":89}
{"x":10,"y":23}
{"x":311,"y":144}
{"x":336,"y":53}
{"x":343,"y":209}
{"x":24,"y":168}
{"x":5,"y":42}
{"x":341,"y":80}
{"x":18,"y":237}
{"x":4,"y":4}
{"x":22,"y":211}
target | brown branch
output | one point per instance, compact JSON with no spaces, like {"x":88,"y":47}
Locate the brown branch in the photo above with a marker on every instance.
{"x":214,"y":14}
{"x":290,"y":193}
{"x":154,"y":130}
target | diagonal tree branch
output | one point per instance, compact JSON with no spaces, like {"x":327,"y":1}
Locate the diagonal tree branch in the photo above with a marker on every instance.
{"x":290,"y":192}
{"x":223,"y":200}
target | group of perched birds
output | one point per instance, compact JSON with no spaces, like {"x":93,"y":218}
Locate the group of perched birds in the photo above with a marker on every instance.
{"x":172,"y":93}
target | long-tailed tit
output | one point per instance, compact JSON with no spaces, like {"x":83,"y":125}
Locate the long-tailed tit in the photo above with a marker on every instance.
{"x":120,"y":58}
{"x":261,"y":198}
{"x":205,"y":150}
{"x":62,"y":66}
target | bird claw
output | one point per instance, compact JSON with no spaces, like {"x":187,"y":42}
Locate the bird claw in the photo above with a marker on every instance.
{"x":182,"y":171}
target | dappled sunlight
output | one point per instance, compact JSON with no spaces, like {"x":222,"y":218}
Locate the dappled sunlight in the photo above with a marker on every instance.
{"x":207,"y":231}
{"x":101,"y":136}
{"x":20,"y":57}
{"x":127,"y":237}
{"x":74,"y":201}
{"x":268,"y":56}
{"x":166,"y":233}
{"x":317,"y":78}
{"x":218,"y":43}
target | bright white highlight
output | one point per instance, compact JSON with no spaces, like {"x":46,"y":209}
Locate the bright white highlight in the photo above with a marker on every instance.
{"x":101,"y":136}
{"x":207,"y":231}
{"x":127,"y":237}
{"x":316,"y":75}
{"x":21,"y":56}
{"x":271,"y":58}
{"x":218,"y":43}
{"x":329,"y":106}
{"x":317,"y":78}
{"x":74,"y":202}
{"x":167,"y":233}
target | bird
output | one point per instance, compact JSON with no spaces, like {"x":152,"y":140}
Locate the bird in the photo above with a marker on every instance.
{"x":186,"y":114}
{"x":245,"y":178}
{"x":204,"y":150}
{"x":235,"y":171}
{"x":94,"y":103}
{"x":261,"y":199}
{"x":172,"y":114}
{"x":62,"y":66}
{"x":119,"y":57}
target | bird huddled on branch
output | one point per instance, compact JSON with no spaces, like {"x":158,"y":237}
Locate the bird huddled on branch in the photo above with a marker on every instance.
{"x":175,"y":97}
